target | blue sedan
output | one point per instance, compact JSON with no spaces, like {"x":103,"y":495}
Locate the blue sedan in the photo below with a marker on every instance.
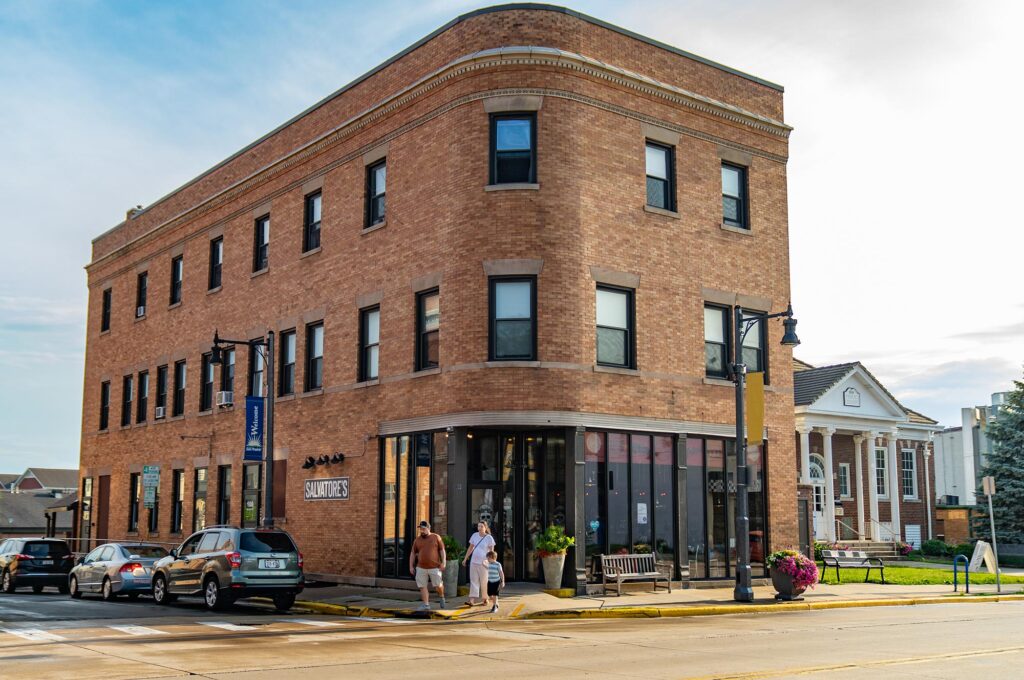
{"x":116,"y":569}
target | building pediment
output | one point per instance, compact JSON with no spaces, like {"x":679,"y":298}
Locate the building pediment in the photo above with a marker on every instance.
{"x":847,"y":390}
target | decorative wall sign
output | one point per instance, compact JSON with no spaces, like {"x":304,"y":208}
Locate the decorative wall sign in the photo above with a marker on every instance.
{"x":253,"y":428}
{"x":330,"y":489}
{"x":851,"y":397}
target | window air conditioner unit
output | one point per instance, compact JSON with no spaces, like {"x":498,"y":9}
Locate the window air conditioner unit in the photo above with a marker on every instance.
{"x":161,"y":411}
{"x":225,"y":398}
{"x":140,"y":311}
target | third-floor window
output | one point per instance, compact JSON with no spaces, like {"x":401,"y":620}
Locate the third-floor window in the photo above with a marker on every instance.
{"x":261,"y":244}
{"x":179,"y":388}
{"x":105,"y":314}
{"x":428,"y":322}
{"x":206,"y":383}
{"x":216,"y":262}
{"x":660,"y":190}
{"x":227,"y":371}
{"x":615,"y":335}
{"x":315,"y":356}
{"x":127,"y":392}
{"x":716,"y":341}
{"x":369,"y":334}
{"x":177,"y":274}
{"x":141,"y":291}
{"x":513,"y":313}
{"x":143,"y":397}
{"x":104,"y":404}
{"x":311,"y":232}
{"x":286,"y":381}
{"x":734,"y":196}
{"x":376,"y":181}
{"x":161,"y":387}
{"x":513,"y":148}
{"x":255,"y":368}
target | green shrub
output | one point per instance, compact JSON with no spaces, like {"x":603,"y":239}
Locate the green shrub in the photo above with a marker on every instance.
{"x":453,"y":551}
{"x":966,"y":549}
{"x":935,"y":548}
{"x":554,"y":541}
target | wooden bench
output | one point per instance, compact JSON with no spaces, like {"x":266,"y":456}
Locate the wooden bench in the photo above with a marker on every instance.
{"x":619,"y":568}
{"x":851,"y":558}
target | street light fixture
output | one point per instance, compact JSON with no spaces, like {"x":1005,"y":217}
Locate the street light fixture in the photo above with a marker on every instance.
{"x":744,"y":591}
{"x":266,"y":349}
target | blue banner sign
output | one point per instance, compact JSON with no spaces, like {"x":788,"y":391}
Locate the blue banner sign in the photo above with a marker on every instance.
{"x":253,"y":428}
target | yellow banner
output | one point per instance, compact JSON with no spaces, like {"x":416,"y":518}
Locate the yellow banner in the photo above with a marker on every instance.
{"x":755,"y":407}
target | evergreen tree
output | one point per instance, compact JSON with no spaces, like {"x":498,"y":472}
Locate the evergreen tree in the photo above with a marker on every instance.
{"x":1006,"y":464}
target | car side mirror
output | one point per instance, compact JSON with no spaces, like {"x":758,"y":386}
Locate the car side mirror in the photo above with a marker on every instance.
{"x":174,"y":552}
{"x":81,"y":560}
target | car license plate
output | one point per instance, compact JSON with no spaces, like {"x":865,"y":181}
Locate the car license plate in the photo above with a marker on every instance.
{"x":45,"y":562}
{"x":271,"y":564}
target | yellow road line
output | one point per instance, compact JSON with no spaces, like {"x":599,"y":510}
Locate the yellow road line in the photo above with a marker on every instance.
{"x":515,"y":612}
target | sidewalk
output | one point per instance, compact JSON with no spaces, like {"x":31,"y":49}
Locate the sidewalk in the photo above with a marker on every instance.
{"x":528,"y":601}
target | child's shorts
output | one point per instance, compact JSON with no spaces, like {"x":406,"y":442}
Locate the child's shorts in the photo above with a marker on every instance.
{"x":493,"y":587}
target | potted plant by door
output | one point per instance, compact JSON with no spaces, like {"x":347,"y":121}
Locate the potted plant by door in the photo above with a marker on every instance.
{"x":792,"y":573}
{"x":453,"y":554}
{"x":552,"y":545}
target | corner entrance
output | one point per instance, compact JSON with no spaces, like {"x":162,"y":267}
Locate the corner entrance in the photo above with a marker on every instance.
{"x":517,"y":486}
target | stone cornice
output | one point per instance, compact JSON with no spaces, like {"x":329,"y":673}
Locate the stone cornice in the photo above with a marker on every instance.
{"x":493,"y":58}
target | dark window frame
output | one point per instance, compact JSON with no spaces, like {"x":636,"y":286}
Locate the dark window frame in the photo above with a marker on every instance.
{"x":261,"y":243}
{"x":177,"y":278}
{"x":372,"y":195}
{"x":134,"y":499}
{"x":492,"y":284}
{"x":127,"y":397}
{"x":630,"y":328}
{"x":762,"y":330}
{"x":227,"y":370}
{"x":495,"y":154}
{"x":254,"y":493}
{"x":215,"y":279}
{"x":177,"y":500}
{"x":141,"y":293}
{"x":142,"y":400}
{"x":153,"y":519}
{"x":742,"y":200}
{"x":223,"y":493}
{"x":206,"y":380}
{"x":180,"y":377}
{"x":286,"y":373}
{"x":670,"y":172}
{"x":162,"y":375}
{"x":365,"y":346}
{"x":314,"y":364}
{"x":255,"y":356}
{"x":108,"y":301}
{"x":422,"y":362}
{"x":199,"y":520}
{"x":311,"y":229}
{"x":104,"y":405}
{"x":726,"y":344}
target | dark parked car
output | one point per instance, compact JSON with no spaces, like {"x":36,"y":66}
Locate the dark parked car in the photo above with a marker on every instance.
{"x":36,"y":562}
{"x":226,"y":563}
{"x":116,"y":569}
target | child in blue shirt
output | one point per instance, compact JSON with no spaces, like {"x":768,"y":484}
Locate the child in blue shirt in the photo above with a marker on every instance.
{"x":495,"y":579}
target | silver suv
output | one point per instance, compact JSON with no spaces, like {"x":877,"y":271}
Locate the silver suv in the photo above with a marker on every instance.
{"x":226,"y":563}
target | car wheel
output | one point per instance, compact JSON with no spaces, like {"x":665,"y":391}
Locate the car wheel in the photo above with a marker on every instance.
{"x":284,"y":601}
{"x":37,"y":589}
{"x":108,"y":591}
{"x":212,"y":595}
{"x":7,"y":582}
{"x":160,"y":593}
{"x":73,"y":588}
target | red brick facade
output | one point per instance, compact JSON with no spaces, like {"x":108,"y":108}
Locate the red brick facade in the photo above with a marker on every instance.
{"x":585,"y":220}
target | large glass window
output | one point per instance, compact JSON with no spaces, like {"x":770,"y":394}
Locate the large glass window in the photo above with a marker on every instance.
{"x":660,"y":193}
{"x":513,"y":311}
{"x":513,"y":148}
{"x":716,"y":341}
{"x":127,"y":390}
{"x":734,"y":196}
{"x":697,"y":547}
{"x":315,"y":356}
{"x":179,"y":388}
{"x":396,"y":530}
{"x":908,"y":474}
{"x":641,"y":507}
{"x":663,"y":502}
{"x":844,"y":480}
{"x":261,"y":244}
{"x":594,"y":490}
{"x":376,"y":183}
{"x":251,"y":485}
{"x":311,"y":231}
{"x":716,"y":491}
{"x":615,"y":327}
{"x":428,"y":324}
{"x":286,"y":382}
{"x":369,"y":332}
{"x":199,"y":500}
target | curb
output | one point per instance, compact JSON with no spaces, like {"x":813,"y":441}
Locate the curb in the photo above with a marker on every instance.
{"x":715,"y":610}
{"x":368,"y":612}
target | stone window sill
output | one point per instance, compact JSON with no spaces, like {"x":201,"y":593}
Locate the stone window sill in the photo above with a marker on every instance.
{"x":311,"y":393}
{"x":513,"y":186}
{"x":512,"y":364}
{"x":661,"y":211}
{"x":375,"y":227}
{"x":140,"y":318}
{"x":287,"y":397}
{"x":621,"y":370}
{"x":722,"y":382}
{"x":106,"y":332}
{"x":426,"y":371}
{"x":366,"y":383}
{"x":211,"y":291}
{"x":174,"y":305}
{"x":737,"y":230}
{"x":207,"y":412}
{"x":311,"y":253}
{"x":260,"y":272}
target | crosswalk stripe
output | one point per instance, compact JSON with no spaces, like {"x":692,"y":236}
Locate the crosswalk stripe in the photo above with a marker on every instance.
{"x":21,"y":612}
{"x":34,"y":634}
{"x":311,"y":622}
{"x":138,"y":630}
{"x":225,"y":625}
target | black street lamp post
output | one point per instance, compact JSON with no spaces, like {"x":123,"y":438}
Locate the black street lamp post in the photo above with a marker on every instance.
{"x":744,"y":591}
{"x":266,"y":348}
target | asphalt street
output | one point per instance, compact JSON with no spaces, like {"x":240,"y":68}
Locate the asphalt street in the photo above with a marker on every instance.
{"x":52,"y":636}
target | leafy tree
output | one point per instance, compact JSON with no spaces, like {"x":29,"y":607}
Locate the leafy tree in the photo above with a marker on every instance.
{"x":1006,"y":464}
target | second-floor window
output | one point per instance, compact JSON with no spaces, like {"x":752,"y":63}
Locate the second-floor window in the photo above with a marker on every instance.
{"x":199,"y":499}
{"x":127,"y":387}
{"x":141,"y":410}
{"x":428,"y":323}
{"x":734,"y":196}
{"x":311,"y":232}
{"x":141,"y":291}
{"x":716,"y":341}
{"x":227,"y":371}
{"x":753,"y":344}
{"x":177,"y":499}
{"x":216,"y":262}
{"x":256,"y":368}
{"x":104,"y":405}
{"x":134,"y":492}
{"x":206,"y":383}
{"x":161,"y":387}
{"x":369,"y":334}
{"x":660,"y":190}
{"x":615,"y":327}
{"x":105,"y":314}
{"x":513,"y":148}
{"x":261,"y":244}
{"x":177,"y":274}
{"x":376,"y":180}
{"x":513,"y":312}
{"x":179,"y":388}
{"x":315,"y":356}
{"x":286,"y":382}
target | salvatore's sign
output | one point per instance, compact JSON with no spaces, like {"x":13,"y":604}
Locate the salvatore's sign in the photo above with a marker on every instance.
{"x":330,"y":489}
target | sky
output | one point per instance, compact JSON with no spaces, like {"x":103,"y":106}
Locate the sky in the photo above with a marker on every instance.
{"x":904,"y":164}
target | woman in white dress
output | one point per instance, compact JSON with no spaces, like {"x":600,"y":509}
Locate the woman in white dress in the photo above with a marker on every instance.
{"x":480,"y":544}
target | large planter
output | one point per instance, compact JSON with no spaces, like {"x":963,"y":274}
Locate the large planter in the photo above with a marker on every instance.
{"x":553,"y":565}
{"x":451,"y":578}
{"x":783,"y":583}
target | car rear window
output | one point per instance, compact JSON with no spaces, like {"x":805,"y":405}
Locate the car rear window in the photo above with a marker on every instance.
{"x":266,"y":541}
{"x":47,"y":549}
{"x":145,"y":550}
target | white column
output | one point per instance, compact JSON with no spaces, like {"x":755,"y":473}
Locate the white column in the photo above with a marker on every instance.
{"x":830,"y":485}
{"x":928,"y":499}
{"x":805,"y":454}
{"x":869,"y":449}
{"x":859,"y":461}
{"x":895,"y":487}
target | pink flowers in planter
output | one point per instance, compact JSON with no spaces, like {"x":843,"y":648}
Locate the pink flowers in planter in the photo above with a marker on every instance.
{"x":798,"y":566}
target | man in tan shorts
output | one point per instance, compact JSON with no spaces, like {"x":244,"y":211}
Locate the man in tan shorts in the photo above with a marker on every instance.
{"x":426,"y":563}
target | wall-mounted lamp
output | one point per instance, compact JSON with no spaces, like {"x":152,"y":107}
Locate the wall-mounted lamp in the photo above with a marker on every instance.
{"x":308,"y":463}
{"x":339,"y":457}
{"x":323,"y":460}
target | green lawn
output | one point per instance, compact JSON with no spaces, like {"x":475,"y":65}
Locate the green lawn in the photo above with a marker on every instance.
{"x":914,"y":576}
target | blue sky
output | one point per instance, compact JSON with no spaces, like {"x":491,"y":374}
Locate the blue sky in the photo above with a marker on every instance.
{"x":903,"y":165}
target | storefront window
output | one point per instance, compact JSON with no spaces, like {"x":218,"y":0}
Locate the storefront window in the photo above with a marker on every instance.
{"x":593,"y":496}
{"x":695,"y":522}
{"x":251,"y":495}
{"x":640,"y":478}
{"x":756,"y":498}
{"x":439,"y":511}
{"x":408,"y":477}
{"x":618,"y":494}
{"x":717,"y":520}
{"x":663,"y":501}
